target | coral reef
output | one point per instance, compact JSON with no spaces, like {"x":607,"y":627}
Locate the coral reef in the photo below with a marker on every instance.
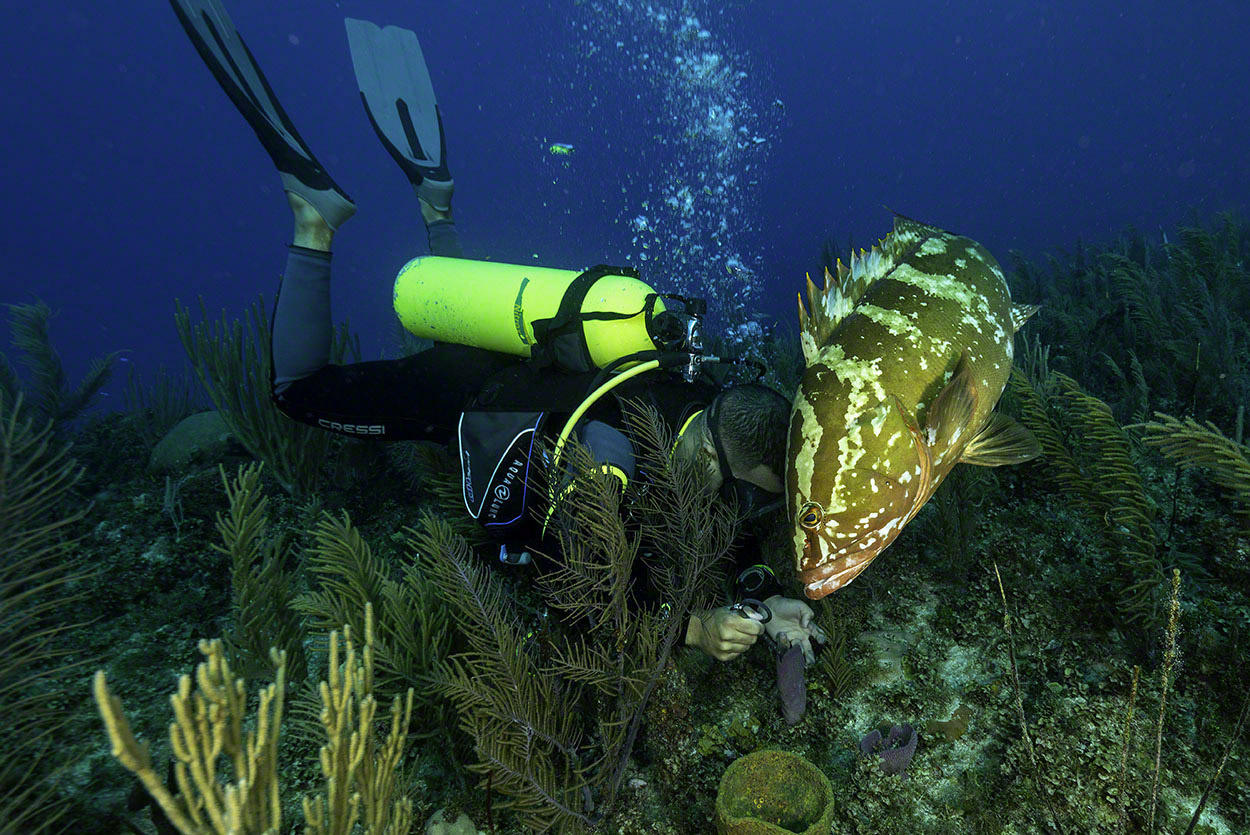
{"x":1080,"y":538}
{"x":210,"y":746}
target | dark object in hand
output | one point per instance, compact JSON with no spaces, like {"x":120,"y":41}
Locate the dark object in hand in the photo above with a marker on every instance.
{"x":790,"y":684}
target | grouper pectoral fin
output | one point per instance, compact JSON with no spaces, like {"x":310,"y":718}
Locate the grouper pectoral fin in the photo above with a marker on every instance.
{"x":1002,"y":441}
{"x":1020,"y":314}
{"x":948,"y":420}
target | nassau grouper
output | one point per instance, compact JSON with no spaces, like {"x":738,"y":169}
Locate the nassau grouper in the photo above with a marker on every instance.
{"x":907,"y":352}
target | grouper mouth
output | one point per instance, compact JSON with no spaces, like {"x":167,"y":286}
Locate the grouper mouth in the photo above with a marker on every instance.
{"x":823,"y":571}
{"x":828,"y":578}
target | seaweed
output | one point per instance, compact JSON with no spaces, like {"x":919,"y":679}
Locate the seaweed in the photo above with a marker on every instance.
{"x":1159,"y":306}
{"x":160,"y":405}
{"x":264,"y":614}
{"x":1150,"y":796}
{"x":41,"y":578}
{"x":233,"y":362}
{"x":833,"y":668}
{"x":48,"y":398}
{"x":1088,"y":456}
{"x":555,"y":720}
{"x":1194,"y":445}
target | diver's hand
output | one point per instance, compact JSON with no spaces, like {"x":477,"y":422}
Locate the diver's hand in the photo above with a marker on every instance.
{"x":793,"y":623}
{"x":722,"y":633}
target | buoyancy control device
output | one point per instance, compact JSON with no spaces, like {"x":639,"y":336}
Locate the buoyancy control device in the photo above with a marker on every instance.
{"x":594,"y":329}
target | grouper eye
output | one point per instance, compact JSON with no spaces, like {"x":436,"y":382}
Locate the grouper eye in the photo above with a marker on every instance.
{"x":810,"y":515}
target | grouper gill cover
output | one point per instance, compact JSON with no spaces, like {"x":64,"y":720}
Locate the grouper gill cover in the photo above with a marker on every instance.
{"x":907,"y":351}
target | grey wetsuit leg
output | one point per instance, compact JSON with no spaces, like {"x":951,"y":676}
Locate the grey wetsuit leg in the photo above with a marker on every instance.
{"x":444,"y":240}
{"x":302,"y":327}
{"x":302,"y":330}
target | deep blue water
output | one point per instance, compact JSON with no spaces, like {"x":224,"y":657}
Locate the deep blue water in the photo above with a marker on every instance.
{"x":726,"y":141}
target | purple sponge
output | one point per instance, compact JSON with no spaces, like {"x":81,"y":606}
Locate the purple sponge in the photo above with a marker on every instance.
{"x":895,"y":751}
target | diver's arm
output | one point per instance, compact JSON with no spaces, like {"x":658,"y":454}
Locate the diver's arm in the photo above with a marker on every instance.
{"x":793,"y":620}
{"x":725,"y":634}
{"x":722,"y":633}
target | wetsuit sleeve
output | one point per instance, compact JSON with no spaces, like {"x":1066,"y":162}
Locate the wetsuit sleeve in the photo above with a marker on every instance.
{"x":610,"y":447}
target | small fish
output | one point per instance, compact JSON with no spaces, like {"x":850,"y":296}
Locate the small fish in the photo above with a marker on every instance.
{"x":907,"y":351}
{"x":560,"y":149}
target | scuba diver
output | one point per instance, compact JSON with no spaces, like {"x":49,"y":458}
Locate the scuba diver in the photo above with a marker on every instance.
{"x":483,"y":401}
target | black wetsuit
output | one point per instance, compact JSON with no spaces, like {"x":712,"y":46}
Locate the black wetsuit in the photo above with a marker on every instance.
{"x":421,"y":397}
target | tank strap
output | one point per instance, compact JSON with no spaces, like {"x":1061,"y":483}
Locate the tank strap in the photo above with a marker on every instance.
{"x":560,"y":340}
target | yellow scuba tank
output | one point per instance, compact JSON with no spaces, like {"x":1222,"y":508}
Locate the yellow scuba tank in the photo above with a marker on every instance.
{"x":587,"y":319}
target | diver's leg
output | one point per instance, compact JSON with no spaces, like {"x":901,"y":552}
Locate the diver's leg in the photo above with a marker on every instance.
{"x":302,"y":329}
{"x":311,"y":230}
{"x":440,"y":231}
{"x":302,"y":326}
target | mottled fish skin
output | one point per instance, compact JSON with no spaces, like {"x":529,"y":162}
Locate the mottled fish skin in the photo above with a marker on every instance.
{"x":907,"y":352}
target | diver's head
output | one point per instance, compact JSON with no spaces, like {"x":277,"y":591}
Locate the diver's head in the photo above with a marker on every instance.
{"x":740,"y":439}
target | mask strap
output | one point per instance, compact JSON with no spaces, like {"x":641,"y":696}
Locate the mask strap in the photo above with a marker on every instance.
{"x":713,"y":428}
{"x":682,"y":431}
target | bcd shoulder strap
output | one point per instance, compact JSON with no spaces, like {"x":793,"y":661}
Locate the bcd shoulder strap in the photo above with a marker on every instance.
{"x":674,"y":399}
{"x":561,"y":340}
